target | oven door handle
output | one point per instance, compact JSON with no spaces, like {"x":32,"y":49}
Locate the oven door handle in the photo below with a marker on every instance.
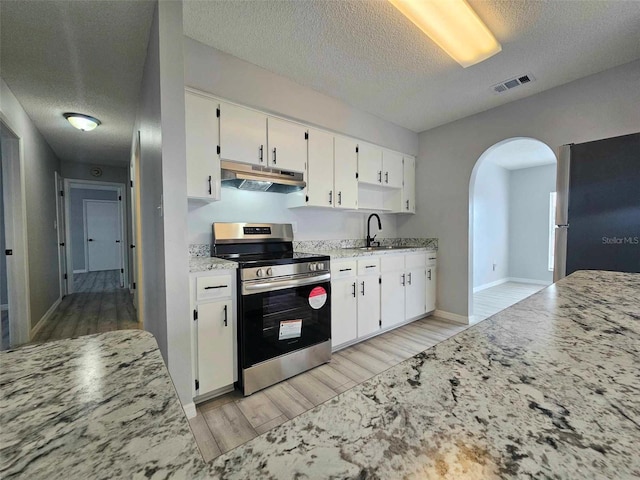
{"x":282,"y":284}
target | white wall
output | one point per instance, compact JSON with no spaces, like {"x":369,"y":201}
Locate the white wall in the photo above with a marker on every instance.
{"x":245,"y":206}
{"x":599,"y":106}
{"x":490,"y":225}
{"x":40,"y":164}
{"x":529,"y":190}
{"x":76,"y":220}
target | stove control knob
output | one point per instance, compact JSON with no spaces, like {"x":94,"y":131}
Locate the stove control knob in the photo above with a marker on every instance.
{"x":320,"y":266}
{"x":312,"y":266}
{"x":260,"y":273}
{"x":269,"y":272}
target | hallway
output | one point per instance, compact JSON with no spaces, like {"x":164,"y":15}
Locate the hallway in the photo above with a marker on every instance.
{"x":98,"y":305}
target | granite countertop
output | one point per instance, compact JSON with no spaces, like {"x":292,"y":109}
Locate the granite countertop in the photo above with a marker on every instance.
{"x":356,"y":252}
{"x":548,"y":388}
{"x":99,"y":406}
{"x":203,"y":264}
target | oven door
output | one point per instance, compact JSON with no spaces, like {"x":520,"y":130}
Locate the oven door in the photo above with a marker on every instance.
{"x":273,"y":322}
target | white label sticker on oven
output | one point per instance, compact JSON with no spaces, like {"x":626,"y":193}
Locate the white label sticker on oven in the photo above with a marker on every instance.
{"x":317,"y":298}
{"x":290,"y":329}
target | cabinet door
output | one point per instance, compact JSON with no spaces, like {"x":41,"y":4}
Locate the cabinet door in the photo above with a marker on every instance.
{"x":392,"y":169}
{"x":215,"y":346}
{"x":368,"y":305}
{"x":203,"y":162}
{"x":392,"y":298}
{"x":287,"y":145}
{"x":431,"y":289}
{"x":320,"y":169}
{"x":345,"y":169}
{"x":416,"y":293}
{"x":243,"y":135}
{"x":369,"y":163}
{"x":409,"y":185}
{"x":344,"y":327}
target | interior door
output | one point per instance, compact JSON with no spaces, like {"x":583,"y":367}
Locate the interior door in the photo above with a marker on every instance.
{"x":102,"y":223}
{"x":61,"y":231}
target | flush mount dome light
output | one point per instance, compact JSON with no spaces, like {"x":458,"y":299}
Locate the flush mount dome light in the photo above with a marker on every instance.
{"x":81,"y":121}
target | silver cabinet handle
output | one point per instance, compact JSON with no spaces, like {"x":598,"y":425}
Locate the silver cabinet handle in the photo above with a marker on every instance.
{"x":274,"y":155}
{"x":339,"y":198}
{"x":260,"y":154}
{"x":403,"y":281}
{"x":225,"y":317}
{"x":409,"y":279}
{"x":362,"y":288}
{"x":330,"y":197}
{"x":386,"y":177}
{"x":354,"y":289}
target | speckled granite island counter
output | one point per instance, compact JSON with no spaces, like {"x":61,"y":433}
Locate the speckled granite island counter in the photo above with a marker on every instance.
{"x":96,"y":407}
{"x":549,"y":388}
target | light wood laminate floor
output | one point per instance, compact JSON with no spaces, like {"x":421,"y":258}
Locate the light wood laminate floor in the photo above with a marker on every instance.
{"x":97,"y":305}
{"x":495,"y":299}
{"x":226,"y":422}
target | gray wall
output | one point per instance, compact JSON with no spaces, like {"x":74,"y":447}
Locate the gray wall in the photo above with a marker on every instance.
{"x":82,"y":171}
{"x":163,"y":184}
{"x":529,"y":190}
{"x":490,"y":224}
{"x":40,"y":164}
{"x":3,"y":260}
{"x":76,"y":220}
{"x":599,"y":106}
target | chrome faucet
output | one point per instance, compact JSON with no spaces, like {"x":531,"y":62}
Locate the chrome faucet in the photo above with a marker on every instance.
{"x":369,"y":237}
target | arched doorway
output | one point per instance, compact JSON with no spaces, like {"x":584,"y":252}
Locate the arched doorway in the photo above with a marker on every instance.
{"x":511,"y":195}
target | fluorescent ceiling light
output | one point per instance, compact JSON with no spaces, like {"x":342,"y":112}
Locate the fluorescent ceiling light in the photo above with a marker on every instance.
{"x":454,"y":26}
{"x":81,"y":121}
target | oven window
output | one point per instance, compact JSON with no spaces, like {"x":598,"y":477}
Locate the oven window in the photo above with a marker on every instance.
{"x":279,"y":322}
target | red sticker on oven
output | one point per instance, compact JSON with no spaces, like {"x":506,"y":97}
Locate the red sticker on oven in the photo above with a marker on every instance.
{"x":317,"y":298}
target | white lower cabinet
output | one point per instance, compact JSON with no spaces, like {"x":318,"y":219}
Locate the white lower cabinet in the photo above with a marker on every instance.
{"x":213,"y":333}
{"x":416,"y":293}
{"x":344,"y":311}
{"x":368,"y":304}
{"x":432,"y":259}
{"x":403,"y":288}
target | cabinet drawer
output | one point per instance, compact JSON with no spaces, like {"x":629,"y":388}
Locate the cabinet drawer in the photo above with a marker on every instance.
{"x":432,"y":259}
{"x":369,"y":266}
{"x":215,"y":286}
{"x":343,"y":269}
{"x":391,"y":263}
{"x":415,"y":260}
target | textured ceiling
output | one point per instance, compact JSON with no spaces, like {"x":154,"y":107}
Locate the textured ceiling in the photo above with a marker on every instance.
{"x":521,"y":153}
{"x":370,"y":56}
{"x":79,"y":56}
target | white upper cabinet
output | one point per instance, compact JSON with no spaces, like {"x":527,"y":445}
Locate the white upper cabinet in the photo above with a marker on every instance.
{"x":203,"y":161}
{"x":320,"y":169}
{"x":409,"y":187}
{"x":243,"y":135}
{"x":392,"y":169}
{"x":287,"y":145}
{"x":369,"y":163}
{"x":345,"y":166}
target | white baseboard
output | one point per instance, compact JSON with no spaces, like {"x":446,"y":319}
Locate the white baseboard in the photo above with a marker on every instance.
{"x":4,"y":306}
{"x":190,"y":410}
{"x":454,"y":317}
{"x":489,"y":285}
{"x":82,"y":270}
{"x":38,"y":326}
{"x":530,"y":280}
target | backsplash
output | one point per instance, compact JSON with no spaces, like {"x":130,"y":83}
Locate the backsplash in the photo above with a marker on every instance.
{"x":204,"y":249}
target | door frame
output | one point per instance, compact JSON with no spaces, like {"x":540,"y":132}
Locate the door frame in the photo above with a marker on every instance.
{"x":71,"y":183}
{"x":61,"y":233}
{"x":85,"y":201}
{"x":15,"y":207}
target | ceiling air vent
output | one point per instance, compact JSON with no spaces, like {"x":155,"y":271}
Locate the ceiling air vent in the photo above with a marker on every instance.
{"x":512,"y":83}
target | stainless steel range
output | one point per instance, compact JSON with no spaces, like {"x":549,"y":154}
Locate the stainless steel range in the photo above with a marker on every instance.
{"x":284,"y":303}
